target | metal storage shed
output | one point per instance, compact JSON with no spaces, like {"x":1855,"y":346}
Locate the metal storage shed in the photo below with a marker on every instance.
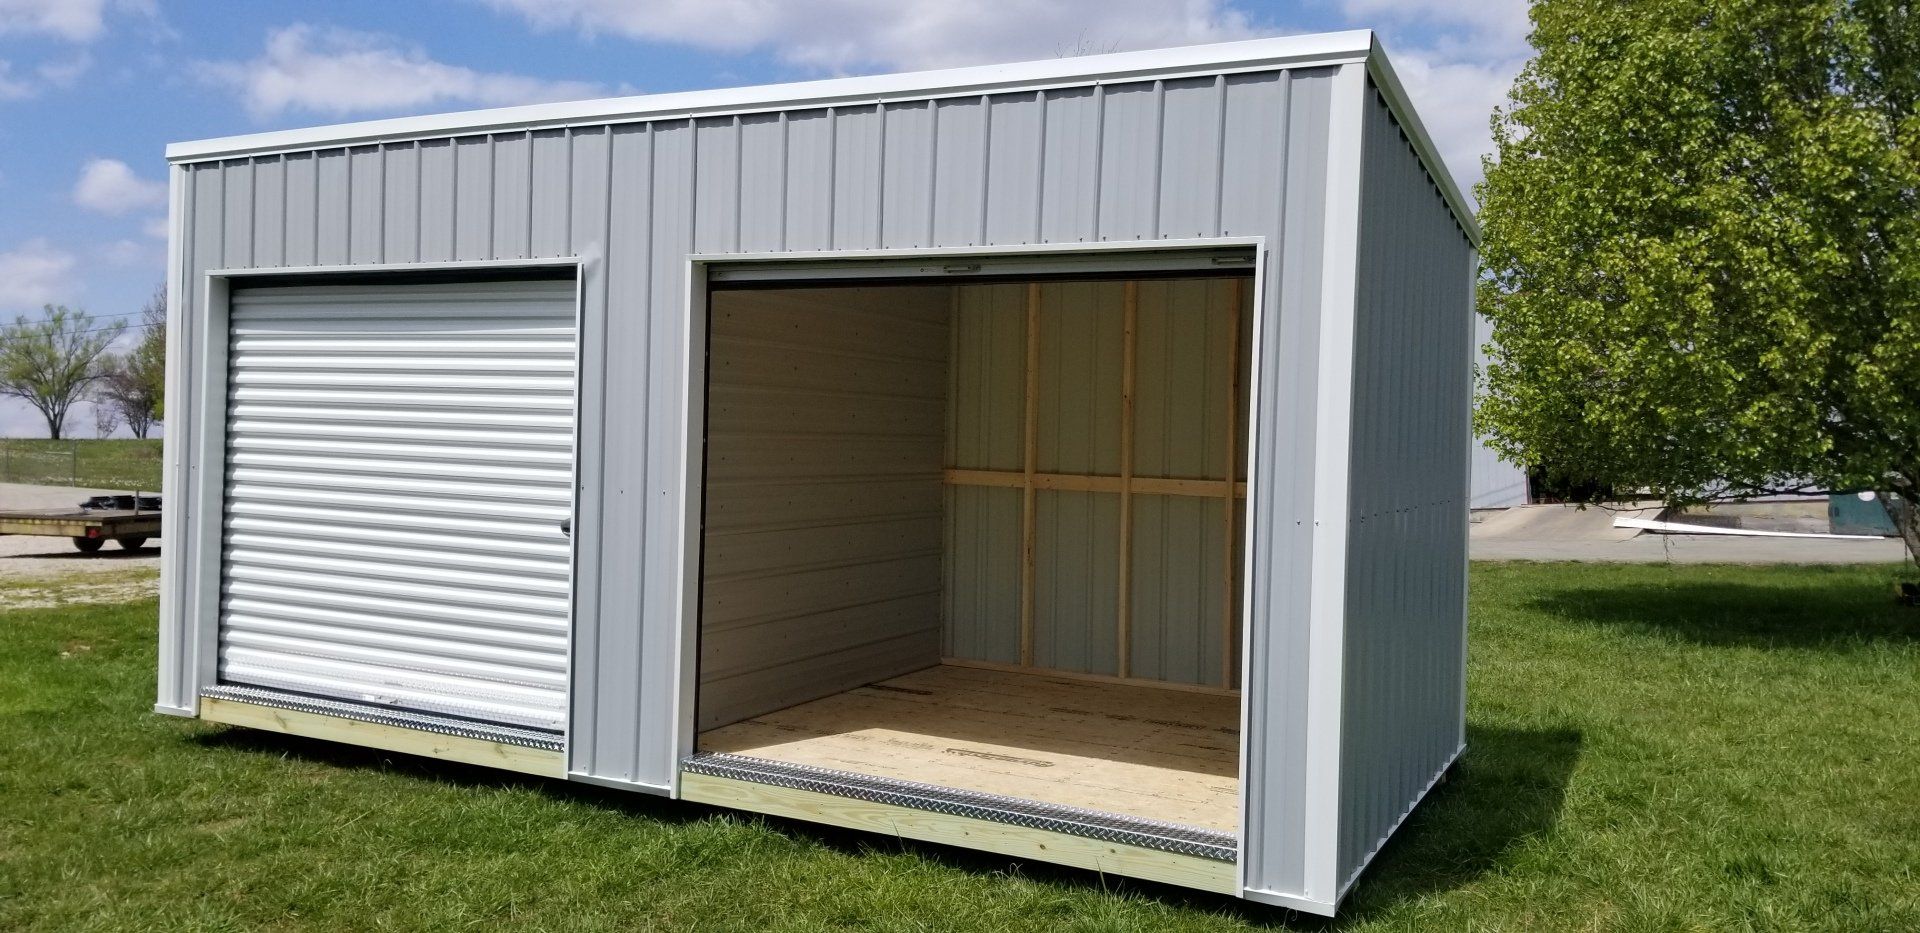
{"x":1066,"y":459}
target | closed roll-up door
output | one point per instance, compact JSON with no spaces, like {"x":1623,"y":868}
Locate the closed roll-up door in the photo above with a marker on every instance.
{"x":399,"y":464}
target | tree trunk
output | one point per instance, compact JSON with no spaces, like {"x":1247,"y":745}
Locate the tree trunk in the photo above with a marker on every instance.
{"x":1904,"y":512}
{"x":1908,"y":521}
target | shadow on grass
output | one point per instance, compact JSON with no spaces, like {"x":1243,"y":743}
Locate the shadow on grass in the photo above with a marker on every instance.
{"x":1509,"y":786}
{"x":1840,"y":612}
{"x":66,"y":552}
{"x":358,"y":757}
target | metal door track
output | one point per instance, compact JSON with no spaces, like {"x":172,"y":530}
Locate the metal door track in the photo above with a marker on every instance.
{"x":388,"y":716}
{"x":1033,"y":814}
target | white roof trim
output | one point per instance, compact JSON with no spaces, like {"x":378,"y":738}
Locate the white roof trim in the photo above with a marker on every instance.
{"x":1303,"y":51}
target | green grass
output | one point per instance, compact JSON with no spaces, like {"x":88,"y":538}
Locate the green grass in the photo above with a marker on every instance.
{"x":119,"y":464}
{"x":1652,"y":748}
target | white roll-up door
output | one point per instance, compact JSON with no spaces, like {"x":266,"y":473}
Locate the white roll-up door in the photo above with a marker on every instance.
{"x":399,"y":464}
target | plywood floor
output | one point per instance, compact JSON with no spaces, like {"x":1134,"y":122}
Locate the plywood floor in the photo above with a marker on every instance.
{"x":1162,"y":754}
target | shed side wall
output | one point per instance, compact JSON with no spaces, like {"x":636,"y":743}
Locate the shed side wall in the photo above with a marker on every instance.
{"x":825,"y":417}
{"x":1401,"y":718}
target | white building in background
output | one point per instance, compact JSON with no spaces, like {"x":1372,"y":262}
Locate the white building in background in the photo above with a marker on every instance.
{"x":1496,"y":483}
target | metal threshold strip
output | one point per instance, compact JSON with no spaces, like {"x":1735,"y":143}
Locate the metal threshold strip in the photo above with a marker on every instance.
{"x":1033,"y":814}
{"x":388,"y":716}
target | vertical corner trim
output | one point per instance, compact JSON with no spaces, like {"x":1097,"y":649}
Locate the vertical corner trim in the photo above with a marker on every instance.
{"x":1333,"y":423}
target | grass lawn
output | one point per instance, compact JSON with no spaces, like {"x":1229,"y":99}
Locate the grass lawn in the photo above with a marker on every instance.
{"x":118,"y":463}
{"x":1651,"y":748}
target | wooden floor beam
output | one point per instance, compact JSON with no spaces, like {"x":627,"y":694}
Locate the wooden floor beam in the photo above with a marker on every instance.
{"x":983,"y":835}
{"x":537,"y":761}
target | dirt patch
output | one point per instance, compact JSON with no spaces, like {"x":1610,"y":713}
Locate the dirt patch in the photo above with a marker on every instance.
{"x":79,"y":590}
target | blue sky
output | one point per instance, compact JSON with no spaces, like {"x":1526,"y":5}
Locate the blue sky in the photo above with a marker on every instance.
{"x":91,"y":91}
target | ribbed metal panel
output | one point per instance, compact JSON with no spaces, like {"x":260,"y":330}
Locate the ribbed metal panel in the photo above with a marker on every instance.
{"x":1178,"y":545}
{"x":399,"y":461}
{"x":987,"y":381}
{"x":1076,"y":581}
{"x":821,"y":563}
{"x":1287,"y":384}
{"x":1401,"y":713}
{"x":1081,"y":357}
{"x":982,"y":574}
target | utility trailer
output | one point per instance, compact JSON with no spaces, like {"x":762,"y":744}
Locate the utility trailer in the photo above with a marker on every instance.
{"x":126,"y":520}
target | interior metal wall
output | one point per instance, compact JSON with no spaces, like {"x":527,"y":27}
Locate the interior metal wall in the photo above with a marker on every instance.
{"x":1402,"y":713}
{"x":1236,"y":155}
{"x":1077,"y":430}
{"x":1180,"y":555}
{"x":823,"y":528}
{"x":986,"y":414}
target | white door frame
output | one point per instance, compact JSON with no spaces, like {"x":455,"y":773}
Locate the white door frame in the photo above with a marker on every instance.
{"x":966,"y":263}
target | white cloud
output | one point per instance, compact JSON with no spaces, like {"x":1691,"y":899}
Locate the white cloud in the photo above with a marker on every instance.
{"x":1455,"y":101}
{"x":1487,"y":28}
{"x":834,"y":35}
{"x":131,"y":253}
{"x":73,"y":20}
{"x":1459,"y":70}
{"x":65,"y":73}
{"x":60,"y":74}
{"x":155,"y":227}
{"x":336,"y":72}
{"x":33,"y":274}
{"x":110,"y":187}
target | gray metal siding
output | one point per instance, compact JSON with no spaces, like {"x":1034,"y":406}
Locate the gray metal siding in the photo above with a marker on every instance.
{"x":1406,"y":568}
{"x":821,"y":568}
{"x":632,"y":203}
{"x":1286,"y":385}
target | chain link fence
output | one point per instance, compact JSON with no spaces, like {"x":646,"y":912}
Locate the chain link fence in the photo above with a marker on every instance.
{"x":117,"y":464}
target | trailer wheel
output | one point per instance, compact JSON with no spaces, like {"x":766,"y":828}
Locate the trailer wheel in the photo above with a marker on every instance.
{"x":131,"y":542}
{"x":89,"y":545}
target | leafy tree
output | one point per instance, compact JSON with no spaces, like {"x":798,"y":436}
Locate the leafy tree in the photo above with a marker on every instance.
{"x":1703,"y":249}
{"x":105,"y":419}
{"x":134,"y":385}
{"x":52,"y":362}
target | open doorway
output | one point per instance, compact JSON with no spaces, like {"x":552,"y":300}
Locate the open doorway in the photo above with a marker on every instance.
{"x":981,"y":535}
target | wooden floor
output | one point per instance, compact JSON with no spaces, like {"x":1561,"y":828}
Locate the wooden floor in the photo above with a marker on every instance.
{"x":1142,"y":751}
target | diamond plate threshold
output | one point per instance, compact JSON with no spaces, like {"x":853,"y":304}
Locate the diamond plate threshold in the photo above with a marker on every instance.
{"x":388,"y":716}
{"x":1033,"y":814}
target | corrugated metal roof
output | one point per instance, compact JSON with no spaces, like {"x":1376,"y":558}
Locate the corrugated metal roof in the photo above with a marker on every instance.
{"x":1300,"y":51}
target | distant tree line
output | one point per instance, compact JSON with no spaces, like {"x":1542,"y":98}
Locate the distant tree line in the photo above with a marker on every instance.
{"x":66,"y":356}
